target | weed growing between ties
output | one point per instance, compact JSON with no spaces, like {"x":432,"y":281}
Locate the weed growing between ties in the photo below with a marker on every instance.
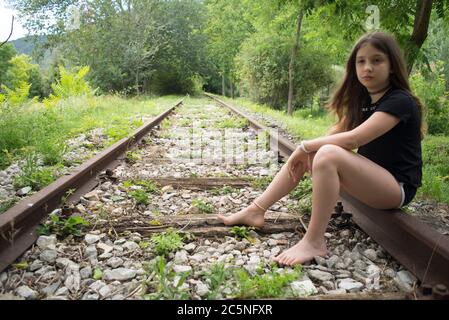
{"x":167,"y":242}
{"x":242,"y":232}
{"x":202,"y":206}
{"x":140,"y":190}
{"x":63,"y":227}
{"x":132,"y":157}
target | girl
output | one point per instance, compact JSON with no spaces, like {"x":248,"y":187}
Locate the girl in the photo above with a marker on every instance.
{"x":379,"y":116}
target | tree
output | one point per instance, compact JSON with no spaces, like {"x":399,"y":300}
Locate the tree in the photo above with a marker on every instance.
{"x":226,"y":28}
{"x":7,"y":51}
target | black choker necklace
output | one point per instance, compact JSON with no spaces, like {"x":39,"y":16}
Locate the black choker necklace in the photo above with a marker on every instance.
{"x":382,"y":90}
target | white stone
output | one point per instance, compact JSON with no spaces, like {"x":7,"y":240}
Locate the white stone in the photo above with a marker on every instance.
{"x":27,"y":293}
{"x":181,"y":257}
{"x":36,"y":264}
{"x":198,"y":257}
{"x":201,"y":289}
{"x":404,"y":280}
{"x":119,"y":274}
{"x":114,"y":262}
{"x":105,"y":291}
{"x":103,"y":246}
{"x":73,"y":282}
{"x":86,"y":272}
{"x":62,"y":291}
{"x":303,"y":288}
{"x":63,"y":262}
{"x":370,"y":254}
{"x":97,"y":285}
{"x":90,"y":251}
{"x":91,"y":238}
{"x":48,"y":255}
{"x":131,"y":246}
{"x":44,"y":242}
{"x":350,"y":284}
{"x":320,"y":275}
{"x":180,"y":268}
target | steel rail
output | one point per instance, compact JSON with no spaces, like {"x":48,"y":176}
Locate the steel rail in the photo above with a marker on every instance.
{"x":417,"y":246}
{"x":18,"y":224}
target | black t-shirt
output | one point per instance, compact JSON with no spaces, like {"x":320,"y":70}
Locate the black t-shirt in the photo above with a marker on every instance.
{"x":398,"y":150}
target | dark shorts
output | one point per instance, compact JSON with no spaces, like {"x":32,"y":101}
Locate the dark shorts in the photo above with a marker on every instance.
{"x":407,"y":194}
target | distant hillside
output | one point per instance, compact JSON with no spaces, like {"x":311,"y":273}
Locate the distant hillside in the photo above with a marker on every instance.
{"x":26,"y":44}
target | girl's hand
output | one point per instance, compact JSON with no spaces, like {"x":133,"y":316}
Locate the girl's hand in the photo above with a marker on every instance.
{"x":297,"y":164}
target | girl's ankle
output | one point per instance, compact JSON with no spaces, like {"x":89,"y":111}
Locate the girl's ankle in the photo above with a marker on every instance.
{"x":257,"y":208}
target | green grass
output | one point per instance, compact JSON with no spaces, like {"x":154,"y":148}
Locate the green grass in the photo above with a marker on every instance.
{"x":435,"y":182}
{"x":47,"y":129}
{"x":33,"y":131}
{"x":304,"y":125}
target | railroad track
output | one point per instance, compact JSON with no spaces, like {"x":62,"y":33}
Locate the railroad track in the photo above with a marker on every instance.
{"x":172,"y":174}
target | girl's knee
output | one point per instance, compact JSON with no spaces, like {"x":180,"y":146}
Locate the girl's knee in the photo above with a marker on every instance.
{"x":327,"y":155}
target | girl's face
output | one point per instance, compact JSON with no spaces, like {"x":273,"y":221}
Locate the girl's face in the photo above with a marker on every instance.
{"x":373,"y":67}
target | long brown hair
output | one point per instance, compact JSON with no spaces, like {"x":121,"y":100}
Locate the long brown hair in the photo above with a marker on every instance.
{"x":351,"y":95}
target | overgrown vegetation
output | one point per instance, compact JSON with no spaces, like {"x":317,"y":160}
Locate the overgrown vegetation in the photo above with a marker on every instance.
{"x":202,"y":206}
{"x":167,"y":242}
{"x":242,"y":232}
{"x":32,"y":175}
{"x":63,"y":226}
{"x":270,"y":284}
{"x":161,"y":282}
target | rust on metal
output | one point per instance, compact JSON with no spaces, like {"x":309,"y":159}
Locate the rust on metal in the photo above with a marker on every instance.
{"x":421,"y":249}
{"x":18,"y":224}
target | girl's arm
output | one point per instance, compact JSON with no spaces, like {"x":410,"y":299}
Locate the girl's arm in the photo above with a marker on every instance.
{"x":375,"y":126}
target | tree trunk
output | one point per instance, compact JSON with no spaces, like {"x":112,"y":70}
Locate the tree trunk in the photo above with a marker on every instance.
{"x":137,"y":82}
{"x":291,"y":65}
{"x":232,"y":90}
{"x":419,"y":35}
{"x":223,"y":88}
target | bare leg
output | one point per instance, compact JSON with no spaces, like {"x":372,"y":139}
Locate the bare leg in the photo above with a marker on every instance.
{"x":335,"y":168}
{"x":325,"y":186}
{"x":252,"y":215}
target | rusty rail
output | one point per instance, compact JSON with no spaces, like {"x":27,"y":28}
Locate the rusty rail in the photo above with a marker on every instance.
{"x":421,"y":249}
{"x":19,"y":223}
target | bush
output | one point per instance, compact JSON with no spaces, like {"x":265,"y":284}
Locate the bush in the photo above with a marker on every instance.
{"x":72,"y":83}
{"x":263,"y":70}
{"x":431,"y":89}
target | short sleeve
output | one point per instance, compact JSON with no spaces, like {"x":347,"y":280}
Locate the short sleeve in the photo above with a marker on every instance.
{"x":398,"y":104}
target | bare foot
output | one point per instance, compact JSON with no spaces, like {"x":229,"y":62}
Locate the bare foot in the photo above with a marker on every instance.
{"x":250,"y":216}
{"x":300,"y":253}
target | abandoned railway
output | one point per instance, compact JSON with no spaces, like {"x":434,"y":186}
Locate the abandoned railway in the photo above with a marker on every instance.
{"x":146,"y":208}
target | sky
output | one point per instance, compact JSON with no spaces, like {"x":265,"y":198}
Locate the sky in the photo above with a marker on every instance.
{"x":5,"y":23}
